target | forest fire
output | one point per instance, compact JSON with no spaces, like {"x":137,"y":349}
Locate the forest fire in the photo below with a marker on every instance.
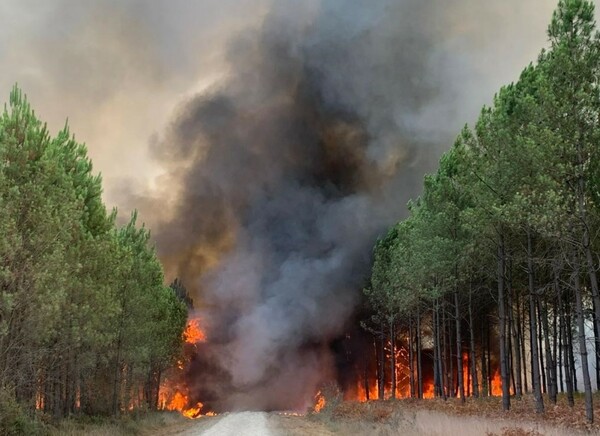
{"x":496,"y":384}
{"x":362,"y":365}
{"x":368,"y":366}
{"x":320,"y":402}
{"x":359,"y":393}
{"x":193,"y":334}
{"x":174,"y":393}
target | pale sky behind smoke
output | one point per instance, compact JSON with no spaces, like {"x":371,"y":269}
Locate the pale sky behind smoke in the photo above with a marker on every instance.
{"x":117,"y":69}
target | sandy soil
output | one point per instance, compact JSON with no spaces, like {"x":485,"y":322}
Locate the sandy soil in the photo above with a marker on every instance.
{"x":233,"y":424}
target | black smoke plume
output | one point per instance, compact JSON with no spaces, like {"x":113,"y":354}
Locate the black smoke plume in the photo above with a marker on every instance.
{"x":284,"y":174}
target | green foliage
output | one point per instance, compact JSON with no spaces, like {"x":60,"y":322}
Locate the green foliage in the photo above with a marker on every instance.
{"x":514,"y":205}
{"x":14,"y":418}
{"x":86,"y":321}
{"x":514,"y":173}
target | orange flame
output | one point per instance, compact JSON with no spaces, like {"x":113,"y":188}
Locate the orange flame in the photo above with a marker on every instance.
{"x":193,"y":333}
{"x":320,"y":402}
{"x":361,"y":393}
{"x":428,"y":390}
{"x":178,"y":402}
{"x":497,"y":384}
{"x":193,"y":412}
{"x":402,"y":370}
{"x":174,"y":396}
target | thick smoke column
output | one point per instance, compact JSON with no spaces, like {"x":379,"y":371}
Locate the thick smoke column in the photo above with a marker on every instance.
{"x":277,"y":180}
{"x":287,"y":172}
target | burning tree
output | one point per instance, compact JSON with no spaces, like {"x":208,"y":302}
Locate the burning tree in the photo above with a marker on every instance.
{"x":175,"y":393}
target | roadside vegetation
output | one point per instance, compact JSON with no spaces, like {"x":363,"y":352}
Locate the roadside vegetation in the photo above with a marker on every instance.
{"x":475,"y":416}
{"x":145,"y":423}
{"x":496,"y":268}
{"x":86,"y":322}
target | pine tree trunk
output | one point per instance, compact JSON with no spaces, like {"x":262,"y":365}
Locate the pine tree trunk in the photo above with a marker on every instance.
{"x":560,"y":357}
{"x":596,"y":346}
{"x":419,"y":361}
{"x":468,"y":373}
{"x":535,"y":369}
{"x":523,"y":354}
{"x":411,"y":359}
{"x":550,"y":365}
{"x":589,"y":407}
{"x":393,"y":358}
{"x":540,"y":346}
{"x":517,"y":349}
{"x":510,"y":323}
{"x":440,"y":365}
{"x":381,"y":369}
{"x":592,"y":275}
{"x":555,"y":340}
{"x":484,"y":372}
{"x":502,"y":327}
{"x":459,"y":359}
{"x":366,"y":378}
{"x":473,"y":356}
{"x":451,"y":389}
{"x":567,"y":354}
{"x":445,"y":354}
{"x":489,"y":364}
{"x":570,"y":349}
{"x":436,"y":378}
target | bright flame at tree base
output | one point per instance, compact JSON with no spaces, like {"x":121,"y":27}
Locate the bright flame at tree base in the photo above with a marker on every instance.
{"x":320,"y":402}
{"x":174,"y":395}
{"x":367,"y":389}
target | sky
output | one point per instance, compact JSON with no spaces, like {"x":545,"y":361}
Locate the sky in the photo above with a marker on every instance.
{"x":118,"y":70}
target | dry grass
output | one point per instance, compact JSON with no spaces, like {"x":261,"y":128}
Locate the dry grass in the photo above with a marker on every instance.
{"x":515,"y":431}
{"x":483,"y":413}
{"x":145,"y":424}
{"x":523,"y":410}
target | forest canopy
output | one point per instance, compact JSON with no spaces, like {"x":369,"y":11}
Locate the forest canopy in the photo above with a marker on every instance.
{"x":86,"y":322}
{"x":503,"y":242}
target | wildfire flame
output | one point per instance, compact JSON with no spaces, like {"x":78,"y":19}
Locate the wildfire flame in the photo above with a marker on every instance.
{"x":320,"y":402}
{"x":178,"y":402}
{"x":174,"y":396}
{"x":193,"y":333}
{"x":402,"y":370}
{"x":193,"y":412}
{"x":497,"y":385}
{"x":361,"y":394}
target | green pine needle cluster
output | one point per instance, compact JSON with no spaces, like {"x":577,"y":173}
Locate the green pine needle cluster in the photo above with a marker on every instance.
{"x":86,"y":322}
{"x":503,"y":243}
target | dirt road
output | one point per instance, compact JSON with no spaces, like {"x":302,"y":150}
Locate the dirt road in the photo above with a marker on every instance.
{"x":254,"y":424}
{"x":244,"y":423}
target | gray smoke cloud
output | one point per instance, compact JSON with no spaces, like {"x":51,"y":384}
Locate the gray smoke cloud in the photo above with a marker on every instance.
{"x":289,"y":169}
{"x":298,"y":131}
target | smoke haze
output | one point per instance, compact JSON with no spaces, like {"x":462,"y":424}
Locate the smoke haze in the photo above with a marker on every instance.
{"x":296,"y":133}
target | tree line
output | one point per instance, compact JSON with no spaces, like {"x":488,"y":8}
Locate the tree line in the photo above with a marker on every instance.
{"x":496,"y":264}
{"x":86,"y":322}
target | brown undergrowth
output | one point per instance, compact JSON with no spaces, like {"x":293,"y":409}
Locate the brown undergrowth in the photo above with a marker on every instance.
{"x":522,"y":412}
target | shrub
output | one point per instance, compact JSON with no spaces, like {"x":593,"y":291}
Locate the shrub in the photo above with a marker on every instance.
{"x":14,"y":419}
